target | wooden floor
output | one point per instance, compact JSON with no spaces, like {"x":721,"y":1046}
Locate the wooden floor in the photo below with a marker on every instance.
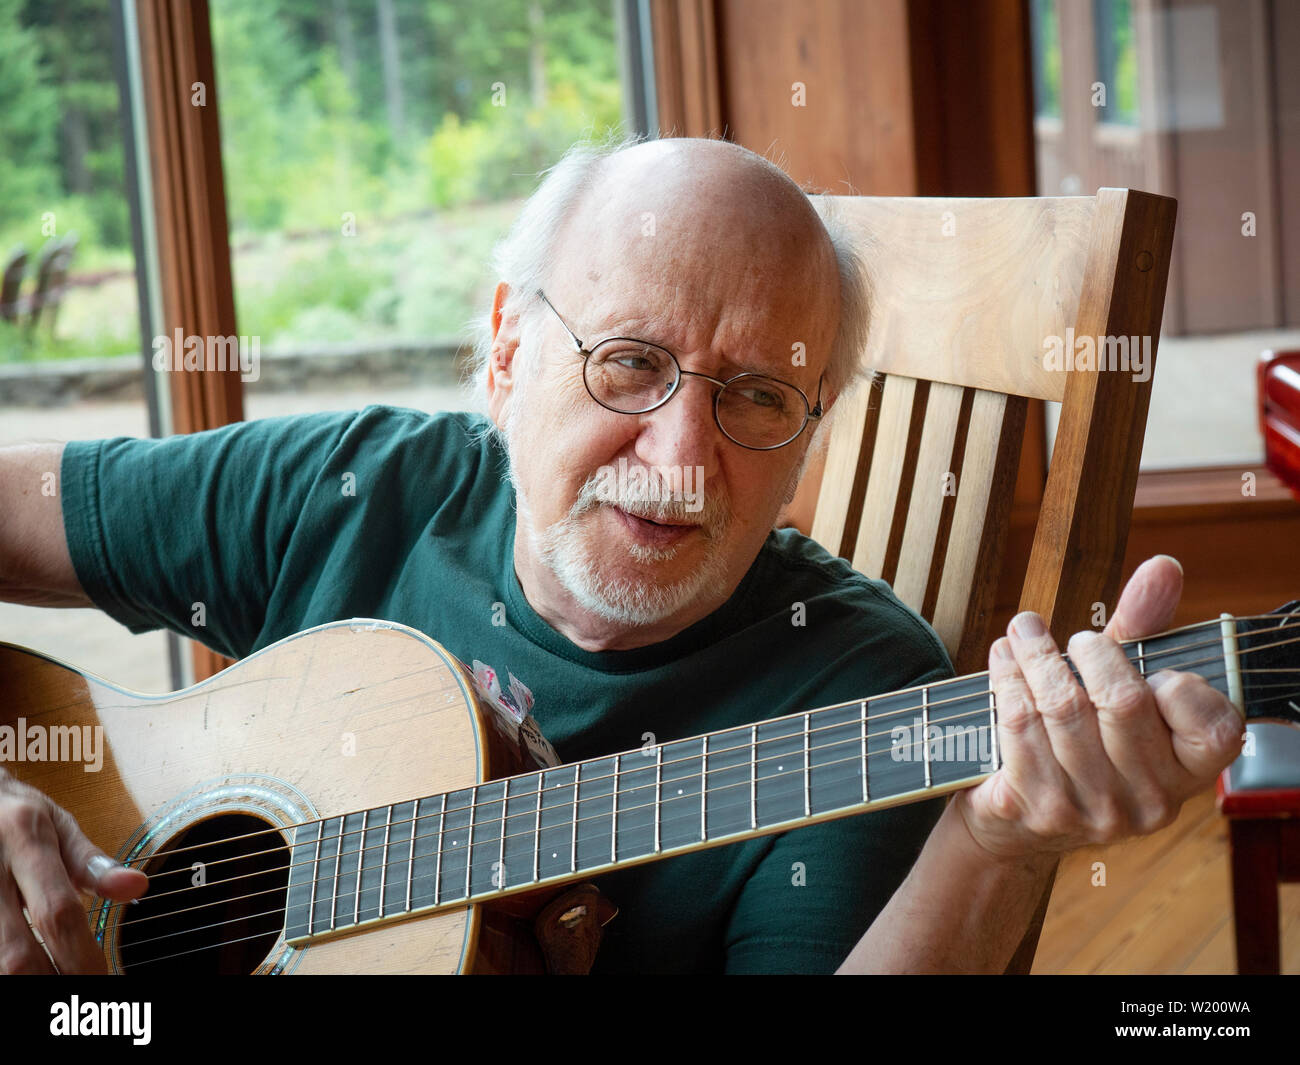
{"x":1166,"y":906}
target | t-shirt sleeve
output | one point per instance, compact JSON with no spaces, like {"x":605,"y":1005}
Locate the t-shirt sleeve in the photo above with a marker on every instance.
{"x":188,"y":532}
{"x":818,"y":889}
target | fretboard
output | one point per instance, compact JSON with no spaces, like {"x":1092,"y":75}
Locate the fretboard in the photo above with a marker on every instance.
{"x":573,"y":820}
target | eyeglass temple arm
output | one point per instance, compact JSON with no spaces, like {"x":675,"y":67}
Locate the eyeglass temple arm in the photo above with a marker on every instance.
{"x":572,"y":335}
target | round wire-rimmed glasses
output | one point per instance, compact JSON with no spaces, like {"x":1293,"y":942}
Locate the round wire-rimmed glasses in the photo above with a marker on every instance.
{"x":632,"y":376}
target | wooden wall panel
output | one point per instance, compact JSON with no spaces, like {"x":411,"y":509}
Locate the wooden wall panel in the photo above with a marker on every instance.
{"x":190,"y":216}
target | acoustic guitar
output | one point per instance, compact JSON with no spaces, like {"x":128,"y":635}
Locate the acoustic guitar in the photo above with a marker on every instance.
{"x":350,"y":799}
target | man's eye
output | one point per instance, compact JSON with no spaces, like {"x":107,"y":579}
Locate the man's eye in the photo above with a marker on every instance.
{"x":635,"y":362}
{"x":763,"y":397}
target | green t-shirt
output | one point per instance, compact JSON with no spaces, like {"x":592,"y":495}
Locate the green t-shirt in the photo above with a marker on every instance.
{"x":284,"y":523}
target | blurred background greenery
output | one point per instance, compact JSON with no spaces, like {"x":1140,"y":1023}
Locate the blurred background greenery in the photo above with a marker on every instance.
{"x":423,"y":121}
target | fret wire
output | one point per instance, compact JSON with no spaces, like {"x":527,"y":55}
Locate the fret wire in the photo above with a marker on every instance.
{"x":573,"y":839}
{"x":469,"y":840}
{"x":537,"y":831}
{"x":807,"y":771}
{"x":613,"y":827}
{"x":753,"y":776}
{"x":1142,"y":659}
{"x":865,"y":786}
{"x":659,"y":759}
{"x":505,"y":809}
{"x":437,"y":861}
{"x":361,"y":850}
{"x":993,"y":727}
{"x":315,"y":877}
{"x":383,"y":869}
{"x":410,"y":857}
{"x":925,"y":731}
{"x":338,"y":857}
{"x":704,"y":788}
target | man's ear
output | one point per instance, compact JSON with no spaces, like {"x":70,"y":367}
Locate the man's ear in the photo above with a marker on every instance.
{"x":501,"y":355}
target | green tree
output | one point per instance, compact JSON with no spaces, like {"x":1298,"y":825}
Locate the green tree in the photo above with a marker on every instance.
{"x":29,"y":111}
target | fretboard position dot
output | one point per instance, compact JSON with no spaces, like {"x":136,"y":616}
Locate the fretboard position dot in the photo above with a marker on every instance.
{"x":679,"y":791}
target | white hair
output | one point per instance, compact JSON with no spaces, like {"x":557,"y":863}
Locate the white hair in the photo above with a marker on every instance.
{"x":524,"y":257}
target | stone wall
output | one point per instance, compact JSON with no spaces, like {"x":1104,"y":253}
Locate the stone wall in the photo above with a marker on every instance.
{"x":323,"y":367}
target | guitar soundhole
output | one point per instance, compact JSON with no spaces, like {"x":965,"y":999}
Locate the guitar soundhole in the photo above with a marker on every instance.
{"x":215,"y":902}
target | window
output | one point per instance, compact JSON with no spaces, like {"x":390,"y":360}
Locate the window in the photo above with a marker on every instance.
{"x":1200,"y":106}
{"x":374,"y":152}
{"x":1116,"y":60}
{"x":1046,"y":57}
{"x":72,"y":361}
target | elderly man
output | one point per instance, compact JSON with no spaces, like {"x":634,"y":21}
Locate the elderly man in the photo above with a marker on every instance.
{"x":672,"y":322}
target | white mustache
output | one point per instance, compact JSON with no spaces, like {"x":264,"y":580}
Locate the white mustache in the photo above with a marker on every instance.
{"x":650,"y":504}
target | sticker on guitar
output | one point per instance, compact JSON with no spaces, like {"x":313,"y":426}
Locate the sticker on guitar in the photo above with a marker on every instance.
{"x":512,"y":711}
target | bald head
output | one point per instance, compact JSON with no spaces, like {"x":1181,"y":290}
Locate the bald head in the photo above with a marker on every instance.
{"x":697,"y":226}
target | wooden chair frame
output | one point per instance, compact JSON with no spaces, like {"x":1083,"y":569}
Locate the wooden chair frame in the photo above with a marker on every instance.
{"x":921,"y":464}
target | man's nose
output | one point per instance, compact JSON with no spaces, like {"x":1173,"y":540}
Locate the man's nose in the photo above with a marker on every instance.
{"x":683,"y":432}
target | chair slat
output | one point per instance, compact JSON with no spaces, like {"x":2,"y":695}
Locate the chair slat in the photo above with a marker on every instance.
{"x":979,"y":523}
{"x":934,"y":468}
{"x":852,"y":425}
{"x":888,"y":492}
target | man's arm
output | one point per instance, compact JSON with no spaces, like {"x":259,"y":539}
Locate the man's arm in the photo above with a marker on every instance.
{"x":958,"y":911}
{"x":35,"y":566}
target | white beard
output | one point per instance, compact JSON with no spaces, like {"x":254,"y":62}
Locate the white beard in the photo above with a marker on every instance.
{"x":622,"y":600}
{"x":632,"y":602}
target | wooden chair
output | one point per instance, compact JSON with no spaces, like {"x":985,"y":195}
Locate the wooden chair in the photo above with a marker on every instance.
{"x":11,"y":281}
{"x":921,"y":464}
{"x":51,"y":279}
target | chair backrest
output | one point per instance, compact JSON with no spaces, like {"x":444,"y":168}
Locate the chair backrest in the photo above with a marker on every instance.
{"x":51,"y":278}
{"x":11,"y":281}
{"x":966,"y":296}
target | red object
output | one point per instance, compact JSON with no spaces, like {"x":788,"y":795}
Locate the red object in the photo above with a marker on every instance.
{"x":1264,"y":841}
{"x":1278,"y":377}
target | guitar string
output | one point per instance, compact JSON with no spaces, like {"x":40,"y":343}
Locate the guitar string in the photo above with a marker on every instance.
{"x":751,"y":746}
{"x":345,"y":832}
{"x":259,"y":935}
{"x":370,"y":830}
{"x":488,"y":823}
{"x":279,"y":911}
{"x":879,"y":716}
{"x":854,"y":740}
{"x":498,"y":841}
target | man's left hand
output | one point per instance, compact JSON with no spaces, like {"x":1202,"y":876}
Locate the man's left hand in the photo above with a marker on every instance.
{"x":1113,"y":758}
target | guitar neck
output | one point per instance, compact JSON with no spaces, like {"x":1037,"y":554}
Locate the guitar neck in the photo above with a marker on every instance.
{"x":571,"y":821}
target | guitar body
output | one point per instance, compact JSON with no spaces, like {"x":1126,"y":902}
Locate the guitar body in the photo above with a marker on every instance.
{"x":346,"y":716}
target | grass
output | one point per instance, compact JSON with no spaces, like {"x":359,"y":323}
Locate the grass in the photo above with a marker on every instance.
{"x":420,"y":276}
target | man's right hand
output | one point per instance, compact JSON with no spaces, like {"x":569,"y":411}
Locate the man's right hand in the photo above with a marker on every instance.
{"x":46,"y":862}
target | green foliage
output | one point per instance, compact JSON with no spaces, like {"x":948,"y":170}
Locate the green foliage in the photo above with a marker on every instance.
{"x":28,"y":121}
{"x":1125,"y":103}
{"x":19,"y":344}
{"x":322,"y":114}
{"x":342,"y":278}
